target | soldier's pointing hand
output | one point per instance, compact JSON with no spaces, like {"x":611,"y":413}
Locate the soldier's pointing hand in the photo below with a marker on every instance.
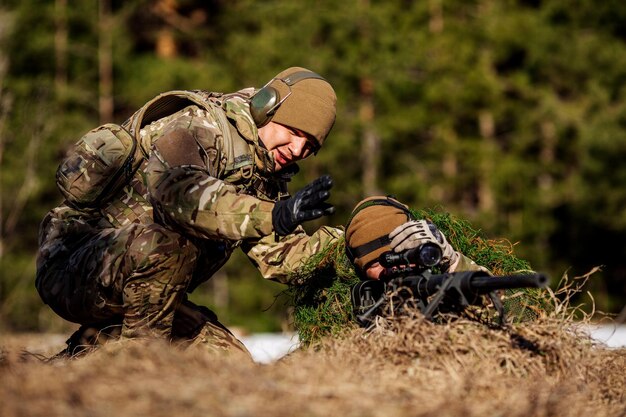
{"x":307,"y":204}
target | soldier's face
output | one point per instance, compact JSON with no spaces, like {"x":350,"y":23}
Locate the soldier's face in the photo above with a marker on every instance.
{"x":287,"y":145}
{"x":374,"y":271}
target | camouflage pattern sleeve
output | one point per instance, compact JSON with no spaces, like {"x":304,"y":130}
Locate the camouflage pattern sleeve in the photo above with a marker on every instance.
{"x":187,"y":198}
{"x":277,"y":259}
{"x":183,"y":177}
{"x":466,"y":264}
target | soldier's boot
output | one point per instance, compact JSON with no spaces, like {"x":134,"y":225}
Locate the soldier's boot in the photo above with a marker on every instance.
{"x":158,"y":268}
{"x":193,"y":325}
{"x":89,"y":337}
{"x":198,"y":326}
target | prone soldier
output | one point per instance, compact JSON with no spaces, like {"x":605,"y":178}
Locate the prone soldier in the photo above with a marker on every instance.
{"x":380,"y":224}
{"x":393,"y":252}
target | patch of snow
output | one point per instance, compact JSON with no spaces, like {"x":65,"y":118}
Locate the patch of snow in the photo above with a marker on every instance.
{"x":269,"y":347}
{"x":613,"y":335}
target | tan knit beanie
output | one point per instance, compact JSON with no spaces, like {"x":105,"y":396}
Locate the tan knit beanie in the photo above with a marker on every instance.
{"x":367,"y":231}
{"x":311,"y":107}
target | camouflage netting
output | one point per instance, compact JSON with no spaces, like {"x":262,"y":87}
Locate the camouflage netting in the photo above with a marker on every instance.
{"x":322,"y":306}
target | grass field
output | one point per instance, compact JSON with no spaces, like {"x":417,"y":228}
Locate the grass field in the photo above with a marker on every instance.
{"x":403,"y":367}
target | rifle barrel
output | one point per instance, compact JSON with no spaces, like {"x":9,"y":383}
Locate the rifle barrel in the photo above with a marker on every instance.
{"x":492,"y":283}
{"x":477,"y":282}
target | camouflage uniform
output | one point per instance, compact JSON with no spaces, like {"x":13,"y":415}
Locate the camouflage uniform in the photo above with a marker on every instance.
{"x":201,"y":192}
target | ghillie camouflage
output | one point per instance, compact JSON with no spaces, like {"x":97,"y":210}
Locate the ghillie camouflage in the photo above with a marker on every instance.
{"x":323,"y":306}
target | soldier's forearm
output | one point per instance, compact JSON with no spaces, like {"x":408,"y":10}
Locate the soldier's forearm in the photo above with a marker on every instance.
{"x":466,"y":264}
{"x":189,"y":198}
{"x":279,"y":259}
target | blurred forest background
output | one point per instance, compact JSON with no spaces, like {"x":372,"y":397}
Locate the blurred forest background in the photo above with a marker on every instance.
{"x":508,"y":113}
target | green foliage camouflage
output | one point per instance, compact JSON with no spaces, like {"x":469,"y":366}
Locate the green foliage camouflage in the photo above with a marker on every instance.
{"x":322,"y":306}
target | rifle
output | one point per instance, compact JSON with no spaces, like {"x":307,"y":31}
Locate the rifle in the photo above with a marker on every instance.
{"x":408,"y":277}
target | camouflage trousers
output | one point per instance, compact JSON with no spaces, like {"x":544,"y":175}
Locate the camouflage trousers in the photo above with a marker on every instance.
{"x":131,"y":280}
{"x":193,"y":326}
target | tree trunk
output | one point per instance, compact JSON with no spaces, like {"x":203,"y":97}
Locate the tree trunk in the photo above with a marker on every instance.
{"x":370,"y":149}
{"x":220,"y":290}
{"x":60,"y":46}
{"x":545,"y":186}
{"x":486,"y":200}
{"x":37,"y":131}
{"x":435,"y":23}
{"x":445,"y":191}
{"x":105,"y":61}
{"x":5,"y":106}
{"x":370,"y":145}
{"x":165,"y":46}
{"x":546,"y":158}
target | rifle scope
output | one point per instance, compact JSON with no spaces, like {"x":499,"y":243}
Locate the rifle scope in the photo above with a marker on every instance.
{"x":426,"y":255}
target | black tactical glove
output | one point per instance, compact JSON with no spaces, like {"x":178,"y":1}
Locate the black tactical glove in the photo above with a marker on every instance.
{"x":307,"y":204}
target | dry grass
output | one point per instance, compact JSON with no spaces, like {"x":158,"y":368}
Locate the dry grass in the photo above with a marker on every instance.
{"x":404,"y":367}
{"x":401,"y":367}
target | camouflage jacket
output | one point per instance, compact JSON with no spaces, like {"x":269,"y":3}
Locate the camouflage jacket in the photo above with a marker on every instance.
{"x":207,"y":176}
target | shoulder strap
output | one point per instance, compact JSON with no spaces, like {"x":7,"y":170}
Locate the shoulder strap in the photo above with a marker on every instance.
{"x":170,"y":102}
